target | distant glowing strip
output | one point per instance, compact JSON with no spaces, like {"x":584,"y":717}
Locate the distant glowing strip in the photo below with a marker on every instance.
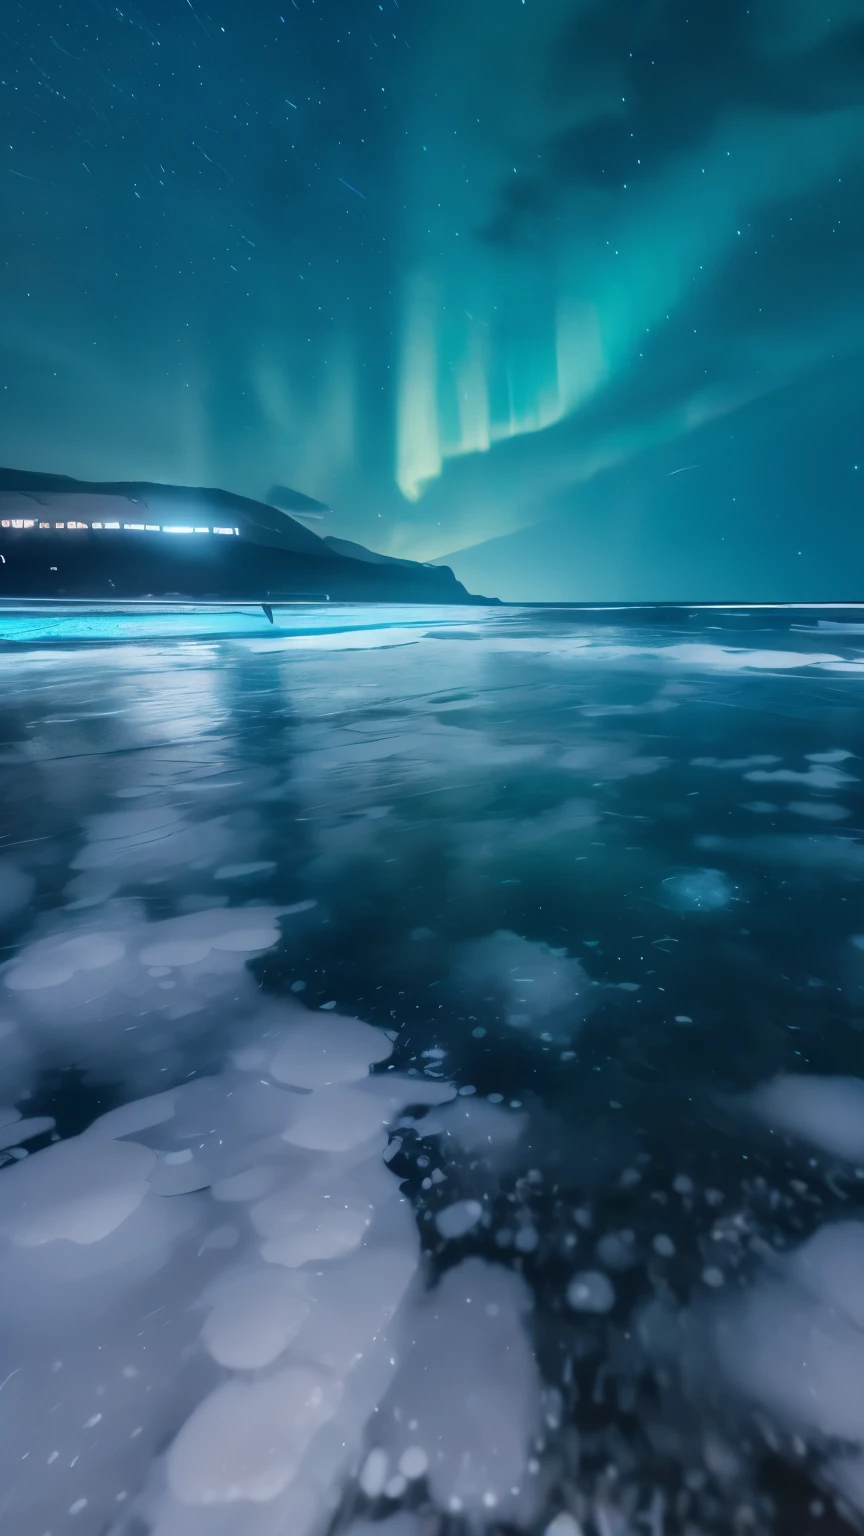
{"x":24,"y":522}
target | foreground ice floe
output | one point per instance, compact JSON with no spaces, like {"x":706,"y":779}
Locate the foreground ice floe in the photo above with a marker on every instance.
{"x":792,"y":1344}
{"x":208,"y":1296}
{"x":131,"y":995}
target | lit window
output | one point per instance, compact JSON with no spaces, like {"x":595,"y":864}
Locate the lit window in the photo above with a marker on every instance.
{"x":223,"y":530}
{"x":135,"y":527}
{"x":56,"y":525}
{"x":177,"y":530}
{"x":29,"y":522}
{"x":202,"y":530}
{"x":4,"y":522}
{"x":112,"y":525}
{"x":77,"y":525}
{"x":153,"y":528}
{"x":95,"y":525}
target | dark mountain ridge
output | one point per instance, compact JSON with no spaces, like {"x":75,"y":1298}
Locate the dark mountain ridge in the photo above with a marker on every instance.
{"x":61,"y":537}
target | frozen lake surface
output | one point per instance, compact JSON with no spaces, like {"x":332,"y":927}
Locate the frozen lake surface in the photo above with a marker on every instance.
{"x":432,"y":1051}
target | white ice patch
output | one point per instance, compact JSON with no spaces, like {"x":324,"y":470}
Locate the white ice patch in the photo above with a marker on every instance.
{"x":468,"y":1395}
{"x":564,"y":1524}
{"x":318,"y":1052}
{"x":345,"y":1116}
{"x":51,"y":963}
{"x":609,"y":760}
{"x":794,"y":1346}
{"x":336,"y":1119}
{"x":458,"y":1219}
{"x":247,"y":1440}
{"x":143,"y":1301}
{"x":477,"y":1127}
{"x":818,"y":810}
{"x":255,"y":1315}
{"x":81,"y":1190}
{"x":827,"y":1111}
{"x":817,"y":776}
{"x":129,"y":994}
{"x":315,"y":1221}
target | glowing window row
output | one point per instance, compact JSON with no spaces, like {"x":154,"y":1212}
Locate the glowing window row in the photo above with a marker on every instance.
{"x":29,"y":522}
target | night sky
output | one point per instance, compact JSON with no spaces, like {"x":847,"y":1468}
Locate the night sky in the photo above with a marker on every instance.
{"x":569,"y":292}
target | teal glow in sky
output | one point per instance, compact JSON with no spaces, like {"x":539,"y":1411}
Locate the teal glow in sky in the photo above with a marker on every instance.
{"x":568,"y":294}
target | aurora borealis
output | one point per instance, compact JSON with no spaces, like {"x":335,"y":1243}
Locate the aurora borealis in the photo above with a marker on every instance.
{"x":567,"y":293}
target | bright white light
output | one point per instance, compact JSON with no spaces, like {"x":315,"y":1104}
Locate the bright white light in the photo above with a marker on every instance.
{"x":178,"y":530}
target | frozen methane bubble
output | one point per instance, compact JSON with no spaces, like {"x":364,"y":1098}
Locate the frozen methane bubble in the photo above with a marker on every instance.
{"x":413,"y":1463}
{"x":699,"y":890}
{"x":374,"y":1472}
{"x":458,"y":1219}
{"x":255,"y":1315}
{"x":80,"y":1190}
{"x":346,"y":1115}
{"x":305,"y":1225}
{"x":564,"y":1524}
{"x":51,"y":963}
{"x":478,"y":1127}
{"x":336,"y":1119}
{"x":318,"y":1052}
{"x":827,"y":1111}
{"x":617,"y":1250}
{"x":591,"y":1291}
{"x":533,"y":983}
